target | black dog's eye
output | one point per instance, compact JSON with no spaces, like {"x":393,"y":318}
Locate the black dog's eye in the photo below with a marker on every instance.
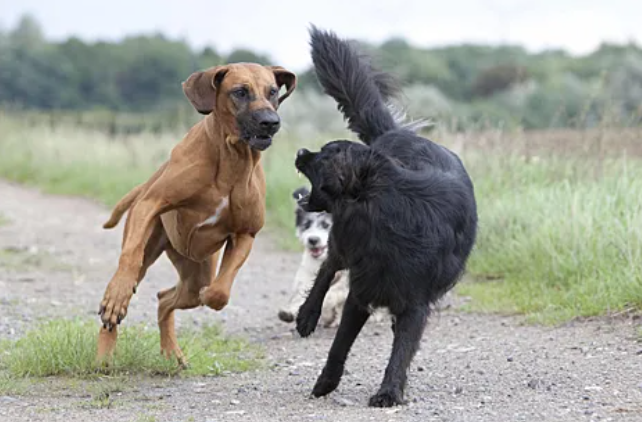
{"x":307,"y":224}
{"x":324,"y":225}
{"x":240,"y":93}
{"x":273,"y":92}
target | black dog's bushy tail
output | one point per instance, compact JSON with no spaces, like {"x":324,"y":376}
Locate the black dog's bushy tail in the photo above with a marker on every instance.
{"x":361,"y":91}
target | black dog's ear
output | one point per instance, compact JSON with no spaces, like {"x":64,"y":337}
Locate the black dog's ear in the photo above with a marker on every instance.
{"x":357,"y":173}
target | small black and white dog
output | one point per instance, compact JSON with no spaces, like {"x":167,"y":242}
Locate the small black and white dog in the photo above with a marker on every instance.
{"x":404,"y":216}
{"x":313,"y":230}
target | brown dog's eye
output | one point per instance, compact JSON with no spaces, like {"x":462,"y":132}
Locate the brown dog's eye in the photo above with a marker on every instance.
{"x":240,"y":93}
{"x":273,"y":92}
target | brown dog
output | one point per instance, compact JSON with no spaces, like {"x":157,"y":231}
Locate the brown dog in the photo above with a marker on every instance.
{"x":210,"y":193}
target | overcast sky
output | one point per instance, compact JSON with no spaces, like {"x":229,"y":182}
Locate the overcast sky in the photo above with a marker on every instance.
{"x":279,"y":28}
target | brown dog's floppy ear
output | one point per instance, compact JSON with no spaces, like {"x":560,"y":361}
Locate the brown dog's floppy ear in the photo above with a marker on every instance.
{"x":284,"y":77}
{"x":200,"y":88}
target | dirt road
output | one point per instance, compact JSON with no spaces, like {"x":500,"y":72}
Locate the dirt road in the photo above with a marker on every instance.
{"x":470,"y":367}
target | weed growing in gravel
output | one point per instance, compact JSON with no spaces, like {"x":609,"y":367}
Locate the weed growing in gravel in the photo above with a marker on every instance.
{"x":145,"y":418}
{"x":23,"y":260}
{"x":10,"y":386}
{"x":64,"y":347}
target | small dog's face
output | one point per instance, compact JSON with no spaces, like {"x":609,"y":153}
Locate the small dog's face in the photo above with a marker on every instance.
{"x":333,"y":172}
{"x":247,"y":93}
{"x":313,"y":229}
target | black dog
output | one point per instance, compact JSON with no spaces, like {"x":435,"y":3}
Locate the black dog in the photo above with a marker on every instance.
{"x":404,"y":212}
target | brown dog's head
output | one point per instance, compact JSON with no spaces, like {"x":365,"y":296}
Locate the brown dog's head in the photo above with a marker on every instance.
{"x":245,"y":93}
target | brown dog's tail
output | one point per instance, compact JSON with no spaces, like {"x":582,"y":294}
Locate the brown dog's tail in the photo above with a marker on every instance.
{"x":122,"y":206}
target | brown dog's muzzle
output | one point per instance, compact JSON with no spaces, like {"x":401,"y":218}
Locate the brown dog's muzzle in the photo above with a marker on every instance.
{"x":269,"y":121}
{"x":257,"y":127}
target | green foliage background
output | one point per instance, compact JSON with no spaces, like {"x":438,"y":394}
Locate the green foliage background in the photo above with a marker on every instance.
{"x":500,"y":85}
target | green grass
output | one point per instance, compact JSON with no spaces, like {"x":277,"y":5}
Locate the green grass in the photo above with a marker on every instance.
{"x":555,"y":240}
{"x":79,"y":162}
{"x":3,"y":220}
{"x":70,"y":348}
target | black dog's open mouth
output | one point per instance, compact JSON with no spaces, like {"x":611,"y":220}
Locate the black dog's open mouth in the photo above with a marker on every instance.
{"x":259,"y":143}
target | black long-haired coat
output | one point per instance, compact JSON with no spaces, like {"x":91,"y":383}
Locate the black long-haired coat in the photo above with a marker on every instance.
{"x":404,"y":216}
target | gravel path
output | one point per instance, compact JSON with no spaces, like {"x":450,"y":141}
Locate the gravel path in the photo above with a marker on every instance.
{"x":470,"y":367}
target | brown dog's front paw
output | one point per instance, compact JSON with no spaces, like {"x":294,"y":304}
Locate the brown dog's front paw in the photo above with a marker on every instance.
{"x":213,"y":298}
{"x":113,"y":307}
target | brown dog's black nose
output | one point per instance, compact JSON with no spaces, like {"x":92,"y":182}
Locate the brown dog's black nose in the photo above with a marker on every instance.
{"x":269,"y":121}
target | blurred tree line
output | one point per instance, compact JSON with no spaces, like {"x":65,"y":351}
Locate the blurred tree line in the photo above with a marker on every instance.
{"x":498,"y":84}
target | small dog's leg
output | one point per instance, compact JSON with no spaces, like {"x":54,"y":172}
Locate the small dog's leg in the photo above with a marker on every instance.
{"x":352,"y":321}
{"x":408,"y":329}
{"x":302,"y":283}
{"x":332,"y":305}
{"x":329,"y":315}
{"x":334,"y":301}
{"x":237,"y":249}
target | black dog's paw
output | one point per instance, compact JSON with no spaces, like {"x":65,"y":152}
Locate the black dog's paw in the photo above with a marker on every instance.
{"x":306,"y":321}
{"x":386,"y":398}
{"x":325,"y":385}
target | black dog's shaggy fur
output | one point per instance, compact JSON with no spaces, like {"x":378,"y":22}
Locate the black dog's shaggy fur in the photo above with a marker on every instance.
{"x":404,"y":213}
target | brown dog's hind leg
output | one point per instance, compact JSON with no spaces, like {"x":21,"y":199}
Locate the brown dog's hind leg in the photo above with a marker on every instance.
{"x":154,"y":248}
{"x":193,"y":277}
{"x":237,"y":249}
